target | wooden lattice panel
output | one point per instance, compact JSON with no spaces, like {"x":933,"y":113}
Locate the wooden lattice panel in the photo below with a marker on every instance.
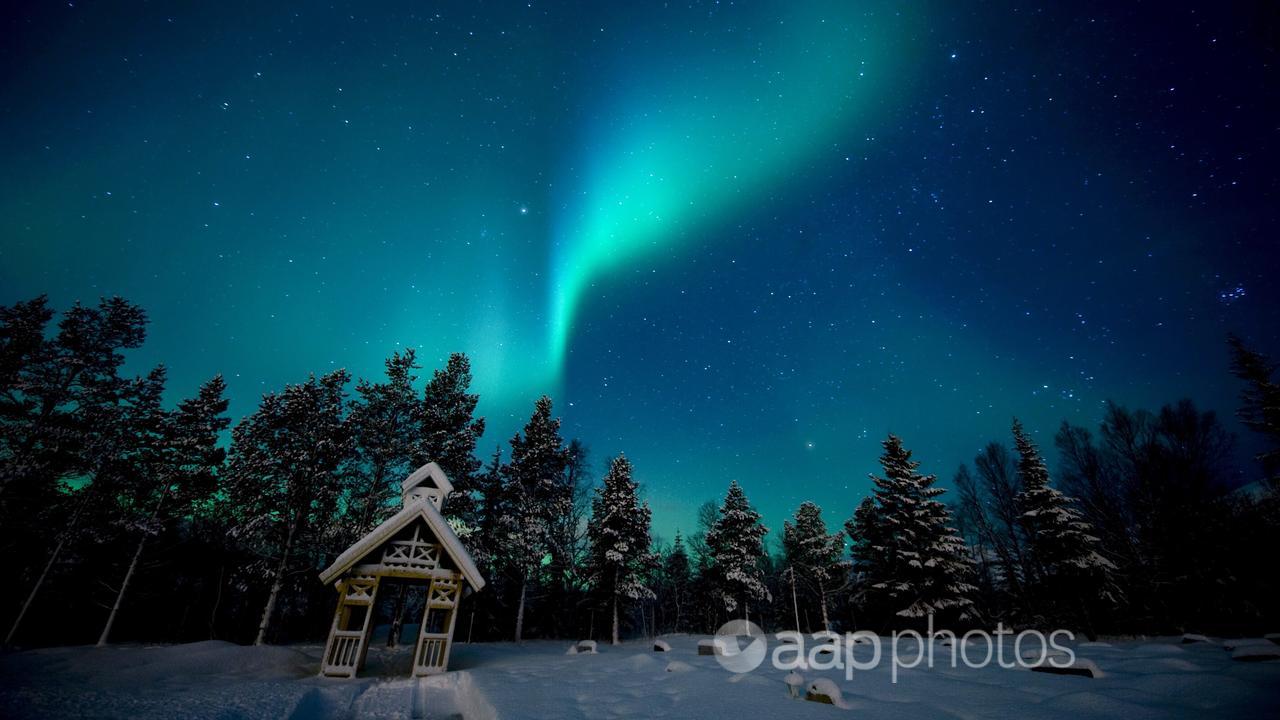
{"x":415,"y":553}
{"x":444,"y":593}
{"x":360,"y":590}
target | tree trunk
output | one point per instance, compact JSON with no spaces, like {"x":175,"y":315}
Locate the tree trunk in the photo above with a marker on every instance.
{"x":53,"y":558}
{"x":822,"y":596}
{"x":277,"y":584}
{"x":124,"y":586}
{"x":13,"y":629}
{"x":397,"y":617}
{"x":520,"y":610}
{"x":217,"y":600}
{"x":128,"y":575}
{"x":795,"y":604}
{"x":615,"y":620}
{"x":615,"y":607}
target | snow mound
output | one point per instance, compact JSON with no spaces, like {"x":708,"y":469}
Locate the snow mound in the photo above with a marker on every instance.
{"x":824,"y":690}
{"x":1154,"y":649}
{"x":638,"y":663}
{"x":1079,"y":668}
{"x":676,"y":666}
{"x":1273,"y":637}
{"x":583,"y":647}
{"x":1044,"y":654}
{"x":1190,"y":638}
{"x":1256,"y":653}
{"x":712,"y":646}
{"x":661,"y":646}
{"x":1238,"y":643}
{"x":794,"y":681}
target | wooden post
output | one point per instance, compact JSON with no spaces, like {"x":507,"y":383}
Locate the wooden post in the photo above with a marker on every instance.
{"x":333,"y":627}
{"x":368,"y":624}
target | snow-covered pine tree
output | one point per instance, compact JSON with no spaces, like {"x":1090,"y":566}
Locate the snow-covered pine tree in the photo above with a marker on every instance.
{"x":534,"y":496}
{"x":867,"y":547}
{"x":1061,"y":543}
{"x":174,"y":469}
{"x":485,"y":540}
{"x":814,"y":556}
{"x":618,"y":529}
{"x":385,"y":421}
{"x":735,"y":545}
{"x":282,"y":479}
{"x":449,"y":435}
{"x":676,"y":581}
{"x":917,"y":562}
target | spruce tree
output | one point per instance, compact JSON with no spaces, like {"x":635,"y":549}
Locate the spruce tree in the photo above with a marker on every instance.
{"x":866,"y":545}
{"x":618,"y":530}
{"x":814,"y":557}
{"x":1058,"y":536}
{"x":736,"y":548}
{"x":385,"y":422}
{"x":915,"y":563}
{"x":1063,"y":548}
{"x":449,"y":435}
{"x":676,"y":582}
{"x":486,"y":541}
{"x":534,"y":496}
{"x":282,"y":480}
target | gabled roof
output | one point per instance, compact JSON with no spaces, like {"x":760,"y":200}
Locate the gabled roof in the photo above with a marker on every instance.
{"x":384,"y":532}
{"x":430,"y":470}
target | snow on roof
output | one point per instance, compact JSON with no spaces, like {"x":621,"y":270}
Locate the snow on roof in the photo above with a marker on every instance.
{"x":430,"y":470}
{"x":384,"y":532}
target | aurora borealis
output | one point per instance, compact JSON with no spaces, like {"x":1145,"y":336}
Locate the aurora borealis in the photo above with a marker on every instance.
{"x":734,"y":241}
{"x":700,"y":130}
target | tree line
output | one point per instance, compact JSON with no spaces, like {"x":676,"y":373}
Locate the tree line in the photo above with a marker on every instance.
{"x":124,"y":519}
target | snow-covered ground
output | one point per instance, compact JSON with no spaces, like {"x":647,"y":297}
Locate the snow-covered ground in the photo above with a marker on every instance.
{"x":1140,"y":679}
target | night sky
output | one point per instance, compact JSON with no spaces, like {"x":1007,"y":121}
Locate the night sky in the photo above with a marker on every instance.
{"x":734,"y":241}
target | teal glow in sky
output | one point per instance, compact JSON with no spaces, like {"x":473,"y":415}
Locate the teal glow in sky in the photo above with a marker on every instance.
{"x":735,"y":241}
{"x":688,"y":132}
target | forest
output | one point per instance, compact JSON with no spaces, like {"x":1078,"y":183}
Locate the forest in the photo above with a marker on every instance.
{"x":124,"y":518}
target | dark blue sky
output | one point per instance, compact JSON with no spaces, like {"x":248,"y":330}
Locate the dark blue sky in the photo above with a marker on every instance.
{"x":734,"y":241}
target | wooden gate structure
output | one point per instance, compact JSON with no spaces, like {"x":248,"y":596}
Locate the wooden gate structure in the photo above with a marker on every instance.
{"x":415,"y":544}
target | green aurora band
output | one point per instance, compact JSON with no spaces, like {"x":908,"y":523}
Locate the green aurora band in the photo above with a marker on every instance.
{"x":703,"y":132}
